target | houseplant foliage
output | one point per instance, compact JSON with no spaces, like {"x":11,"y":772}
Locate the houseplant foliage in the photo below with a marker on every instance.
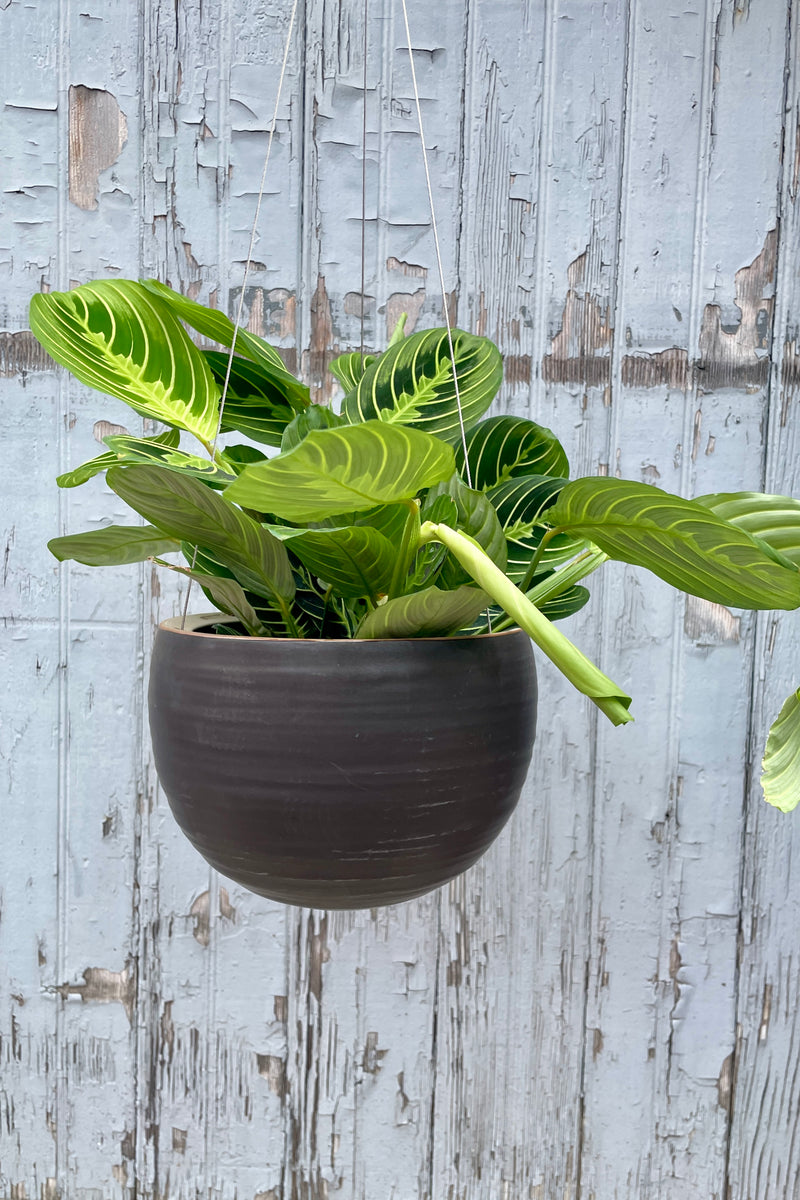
{"x":386,"y":520}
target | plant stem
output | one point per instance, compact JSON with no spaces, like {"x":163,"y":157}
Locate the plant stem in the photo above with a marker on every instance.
{"x":537,"y":558}
{"x":215,"y":456}
{"x":292,"y":628}
{"x":578,"y":669}
{"x":559,"y":581}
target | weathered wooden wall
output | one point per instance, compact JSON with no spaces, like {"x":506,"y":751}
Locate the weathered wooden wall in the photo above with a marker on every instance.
{"x":606,"y":1005}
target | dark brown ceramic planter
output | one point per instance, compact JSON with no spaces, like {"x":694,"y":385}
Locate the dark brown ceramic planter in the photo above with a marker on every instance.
{"x":341,"y":774}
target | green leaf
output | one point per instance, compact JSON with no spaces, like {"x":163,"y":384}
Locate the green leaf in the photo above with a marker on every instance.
{"x":116,"y":337}
{"x":241,"y":456}
{"x":213,"y":324}
{"x":256,"y":402}
{"x":149,"y":450}
{"x":112,"y":545}
{"x":355,"y":560}
{"x":348,"y":368}
{"x":565,"y":604}
{"x":519,"y":504}
{"x":186,"y":509}
{"x":431,"y":613}
{"x":87,"y":470}
{"x":501,"y":448}
{"x":771,"y":519}
{"x":344,"y":470}
{"x":399,"y":331}
{"x":388,"y":519}
{"x":95,"y":466}
{"x":477,"y":517}
{"x":781,"y":765}
{"x":227,"y":594}
{"x":412,"y":383}
{"x":316,"y":416}
{"x":680,"y":541}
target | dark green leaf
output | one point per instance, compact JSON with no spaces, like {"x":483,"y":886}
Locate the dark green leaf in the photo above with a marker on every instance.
{"x":213,"y":324}
{"x":227,"y":594}
{"x":501,"y":448}
{"x":565,"y":604}
{"x":680,"y":541}
{"x":112,"y":545}
{"x":316,"y":416}
{"x":431,"y":613}
{"x":412,"y":383}
{"x":191,"y":512}
{"x":255,"y":403}
{"x":115,"y":336}
{"x":519,"y":504}
{"x":344,"y":470}
{"x":241,"y":456}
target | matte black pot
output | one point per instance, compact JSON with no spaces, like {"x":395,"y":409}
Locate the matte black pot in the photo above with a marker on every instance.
{"x":341,"y":774}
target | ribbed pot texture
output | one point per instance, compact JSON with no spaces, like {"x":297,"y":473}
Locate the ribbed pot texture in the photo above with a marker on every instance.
{"x":341,"y":774}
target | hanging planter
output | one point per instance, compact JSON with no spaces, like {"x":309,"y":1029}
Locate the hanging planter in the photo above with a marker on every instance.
{"x":340,"y":774}
{"x":353,"y":727}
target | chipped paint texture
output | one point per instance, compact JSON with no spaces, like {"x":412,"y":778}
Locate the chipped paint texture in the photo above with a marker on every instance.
{"x":604,"y":1008}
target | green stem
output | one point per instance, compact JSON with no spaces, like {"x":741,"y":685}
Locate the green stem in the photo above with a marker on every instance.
{"x":537,"y":558}
{"x":292,"y":628}
{"x":215,"y":456}
{"x":559,"y":581}
{"x":408,"y":548}
{"x":578,"y":669}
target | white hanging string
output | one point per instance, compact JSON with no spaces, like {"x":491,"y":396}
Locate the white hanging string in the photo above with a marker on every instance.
{"x":364,"y":178}
{"x":437,"y":246}
{"x":237,"y":324}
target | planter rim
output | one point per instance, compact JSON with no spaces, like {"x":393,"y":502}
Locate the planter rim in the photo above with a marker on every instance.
{"x":195,"y":620}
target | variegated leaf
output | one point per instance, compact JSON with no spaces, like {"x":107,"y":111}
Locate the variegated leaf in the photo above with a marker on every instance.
{"x":679,"y":540}
{"x":412,"y":383}
{"x":502,"y":448}
{"x":113,"y":335}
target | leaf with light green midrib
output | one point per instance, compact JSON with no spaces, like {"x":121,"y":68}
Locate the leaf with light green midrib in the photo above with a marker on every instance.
{"x":114,"y":336}
{"x":682,"y":542}
{"x":344,"y":470}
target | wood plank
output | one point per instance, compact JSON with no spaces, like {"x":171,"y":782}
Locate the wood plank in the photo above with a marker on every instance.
{"x":761,"y":1084}
{"x":362,"y":986}
{"x":213,"y":1034}
{"x":512,"y":981}
{"x":669,"y":68}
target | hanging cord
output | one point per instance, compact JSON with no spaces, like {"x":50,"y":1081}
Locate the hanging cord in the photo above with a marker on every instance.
{"x":249,"y":262}
{"x":437,"y":246}
{"x":445,"y":308}
{"x":364,"y":180}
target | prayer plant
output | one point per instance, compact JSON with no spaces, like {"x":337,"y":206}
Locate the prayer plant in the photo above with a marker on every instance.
{"x":397,"y":517}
